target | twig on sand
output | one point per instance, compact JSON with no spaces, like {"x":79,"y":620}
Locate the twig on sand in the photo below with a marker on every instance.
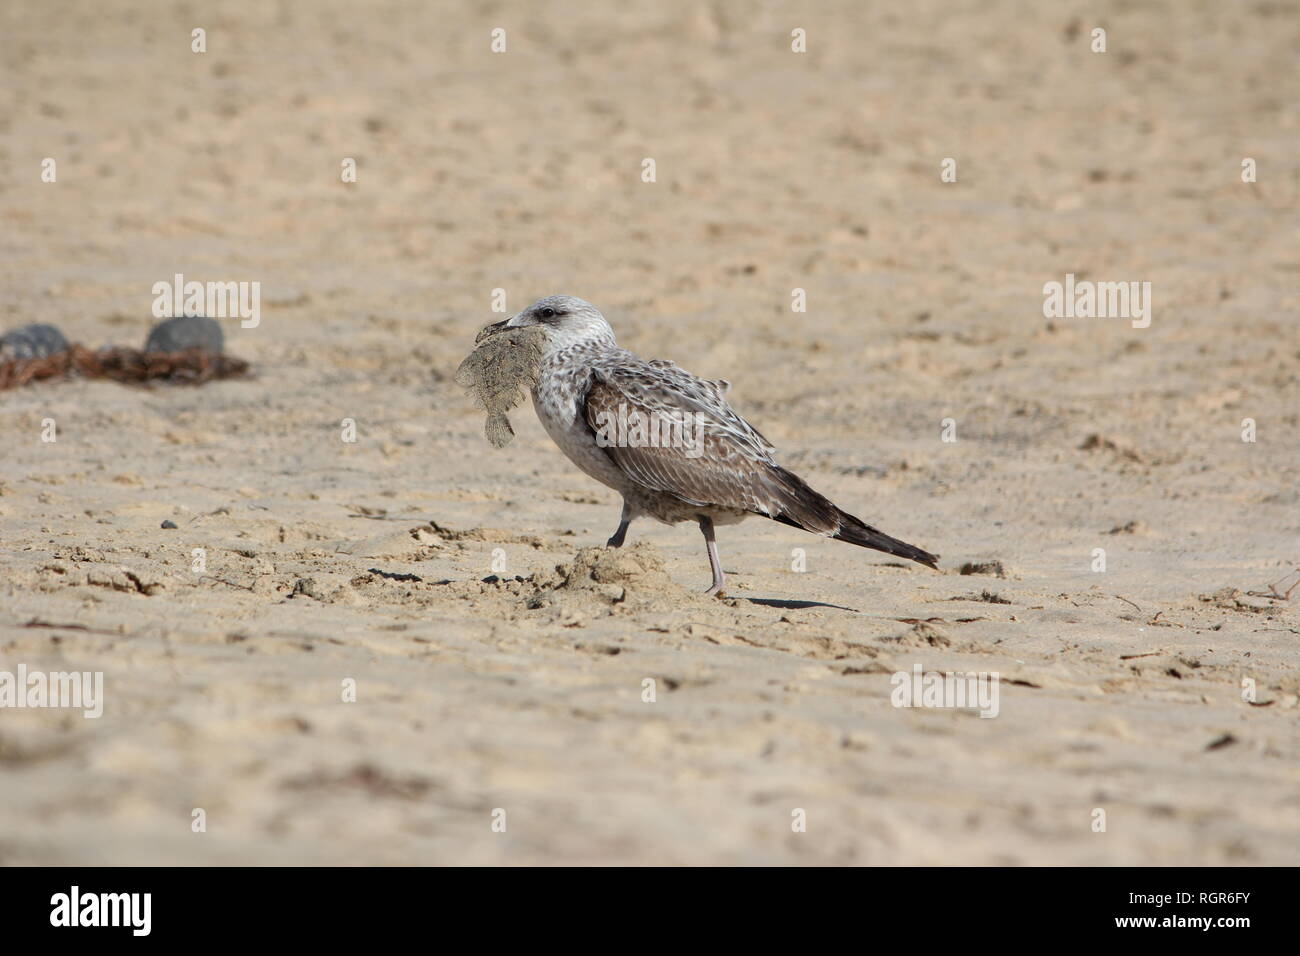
{"x":37,"y":622}
{"x":232,"y":584}
{"x":1273,"y":594}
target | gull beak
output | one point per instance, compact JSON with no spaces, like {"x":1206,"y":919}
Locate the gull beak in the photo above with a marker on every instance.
{"x":490,"y":330}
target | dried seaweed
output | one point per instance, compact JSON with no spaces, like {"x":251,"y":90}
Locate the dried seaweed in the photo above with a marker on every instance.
{"x":131,"y":366}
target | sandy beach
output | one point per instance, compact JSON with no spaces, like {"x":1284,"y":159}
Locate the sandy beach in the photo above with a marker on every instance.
{"x":379,"y":651}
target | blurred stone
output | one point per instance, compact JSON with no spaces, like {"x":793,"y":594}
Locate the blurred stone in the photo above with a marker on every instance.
{"x":38,"y":340}
{"x":186,"y":332}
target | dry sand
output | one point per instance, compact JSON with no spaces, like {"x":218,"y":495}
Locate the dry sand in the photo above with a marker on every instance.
{"x":1120,"y":690}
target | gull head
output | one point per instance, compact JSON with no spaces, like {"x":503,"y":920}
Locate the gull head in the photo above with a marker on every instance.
{"x":563,"y":320}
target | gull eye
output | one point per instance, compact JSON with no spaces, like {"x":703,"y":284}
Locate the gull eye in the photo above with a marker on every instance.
{"x":547,"y":313}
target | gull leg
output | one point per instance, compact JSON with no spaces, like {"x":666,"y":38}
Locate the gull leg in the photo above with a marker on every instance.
{"x":706,"y":526}
{"x":624,"y":520}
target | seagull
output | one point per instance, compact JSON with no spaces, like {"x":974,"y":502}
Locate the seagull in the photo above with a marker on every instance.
{"x":667,"y":441}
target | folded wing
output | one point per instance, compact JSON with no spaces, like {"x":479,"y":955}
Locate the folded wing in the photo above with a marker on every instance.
{"x":705,"y":453}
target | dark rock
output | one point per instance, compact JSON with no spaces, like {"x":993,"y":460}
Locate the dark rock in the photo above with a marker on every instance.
{"x":186,"y":332}
{"x":32,"y":341}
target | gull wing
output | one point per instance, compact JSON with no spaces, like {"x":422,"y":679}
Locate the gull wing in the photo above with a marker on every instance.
{"x":705,"y":453}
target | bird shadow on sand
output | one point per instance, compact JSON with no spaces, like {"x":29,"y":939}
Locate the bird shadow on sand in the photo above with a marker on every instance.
{"x":796,"y":605}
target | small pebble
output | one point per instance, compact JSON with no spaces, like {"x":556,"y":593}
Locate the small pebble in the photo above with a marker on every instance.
{"x":186,"y":332}
{"x":38,"y":340}
{"x":169,"y":524}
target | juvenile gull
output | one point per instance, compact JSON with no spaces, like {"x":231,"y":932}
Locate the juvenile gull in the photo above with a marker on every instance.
{"x":718,"y":469}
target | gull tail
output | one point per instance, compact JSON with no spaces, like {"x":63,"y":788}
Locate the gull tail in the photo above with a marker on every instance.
{"x":805,"y":508}
{"x":856,"y":532}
